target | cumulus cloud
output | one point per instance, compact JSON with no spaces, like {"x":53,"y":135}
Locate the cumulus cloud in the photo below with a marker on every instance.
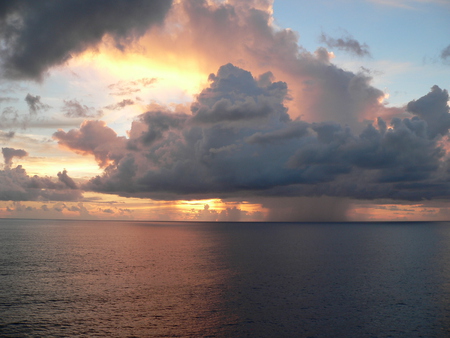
{"x":433,"y":109}
{"x":93,"y":138}
{"x":34,"y":104}
{"x":261,"y":152}
{"x":235,"y":96}
{"x":347,"y":43}
{"x":298,"y":131}
{"x":67,"y":28}
{"x":73,"y":108}
{"x":213,"y":33}
{"x":10,"y":153}
{"x":17,"y":185}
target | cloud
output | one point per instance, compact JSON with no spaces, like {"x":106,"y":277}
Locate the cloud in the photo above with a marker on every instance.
{"x":5,"y":136}
{"x":123,"y":88}
{"x":35,"y":105}
{"x":120,"y":105}
{"x":235,"y":96}
{"x":8,"y":99}
{"x":68,"y":28}
{"x":18,"y":186}
{"x":298,"y":131}
{"x":229,"y":214}
{"x":347,"y":44}
{"x":10,"y":153}
{"x":73,"y":108}
{"x":68,"y":181}
{"x":445,"y":53}
{"x":93,"y":138}
{"x":433,"y":108}
{"x":261,"y":152}
{"x":11,"y":119}
{"x":209,"y":34}
{"x":48,"y":211}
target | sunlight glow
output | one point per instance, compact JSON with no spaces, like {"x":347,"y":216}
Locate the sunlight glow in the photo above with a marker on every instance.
{"x":185,"y":80}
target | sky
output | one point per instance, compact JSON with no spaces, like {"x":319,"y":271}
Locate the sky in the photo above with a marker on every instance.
{"x":225,"y":110}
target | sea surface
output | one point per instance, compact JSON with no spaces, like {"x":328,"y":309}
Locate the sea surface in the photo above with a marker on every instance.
{"x":174,"y":279}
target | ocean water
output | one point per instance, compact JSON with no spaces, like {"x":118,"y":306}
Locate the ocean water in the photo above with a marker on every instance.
{"x":150,"y":279}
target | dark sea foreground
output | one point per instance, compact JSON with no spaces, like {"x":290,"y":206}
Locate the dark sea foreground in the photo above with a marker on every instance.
{"x":149,"y":279}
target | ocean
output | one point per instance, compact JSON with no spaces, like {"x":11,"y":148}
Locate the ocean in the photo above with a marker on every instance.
{"x":174,"y":279}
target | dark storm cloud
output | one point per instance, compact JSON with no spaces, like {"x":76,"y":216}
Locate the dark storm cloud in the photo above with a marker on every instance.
{"x":347,"y":44}
{"x":17,"y":185}
{"x":36,"y":35}
{"x":35,"y":105}
{"x":158,"y":124}
{"x":265,"y":153}
{"x":73,"y":108}
{"x":296,"y":129}
{"x":10,"y":153}
{"x":120,"y":105}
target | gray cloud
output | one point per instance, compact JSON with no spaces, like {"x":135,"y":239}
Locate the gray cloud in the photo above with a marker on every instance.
{"x":10,"y":118}
{"x":10,"y":153}
{"x":67,"y":28}
{"x":120,"y":105}
{"x":5,"y":136}
{"x":68,"y":181}
{"x":347,"y":44}
{"x":235,"y":96}
{"x":17,"y":185}
{"x":433,"y":109}
{"x":93,"y":138}
{"x":445,"y":53}
{"x":35,"y":105}
{"x":73,"y":108}
{"x":8,"y":99}
{"x":171,"y":155}
{"x":296,"y":129}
